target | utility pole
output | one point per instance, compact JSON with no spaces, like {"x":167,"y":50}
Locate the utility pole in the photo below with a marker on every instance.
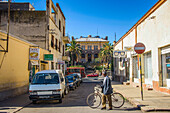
{"x":8,"y":25}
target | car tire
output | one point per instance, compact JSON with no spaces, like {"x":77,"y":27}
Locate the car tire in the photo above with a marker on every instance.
{"x":60,"y":100}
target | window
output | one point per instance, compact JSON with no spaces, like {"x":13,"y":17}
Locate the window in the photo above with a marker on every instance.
{"x":135,"y":67}
{"x":63,"y":50}
{"x":63,"y":31}
{"x":83,"y":47}
{"x":59,"y":25}
{"x":52,"y":41}
{"x":148,"y":65}
{"x":95,"y":47}
{"x":52,"y":65}
{"x":95,"y":55}
{"x":59,"y":46}
{"x":82,"y":55}
{"x":56,"y":66}
{"x":56,"y":44}
{"x":165,"y":66}
{"x":43,"y":67}
{"x":46,"y":78}
{"x":89,"y":47}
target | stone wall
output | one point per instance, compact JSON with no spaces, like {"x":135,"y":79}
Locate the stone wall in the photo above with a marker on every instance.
{"x":29,"y":25}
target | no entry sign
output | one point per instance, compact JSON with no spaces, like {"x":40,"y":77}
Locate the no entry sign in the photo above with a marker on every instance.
{"x":139,"y":48}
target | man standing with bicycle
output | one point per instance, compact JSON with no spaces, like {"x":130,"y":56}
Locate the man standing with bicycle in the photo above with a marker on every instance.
{"x":107,"y":91}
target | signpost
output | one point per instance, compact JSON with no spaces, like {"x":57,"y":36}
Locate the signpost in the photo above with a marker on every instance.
{"x":139,"y":49}
{"x":48,"y":57}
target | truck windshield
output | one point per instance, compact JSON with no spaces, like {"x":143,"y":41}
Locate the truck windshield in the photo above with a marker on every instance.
{"x":46,"y":78}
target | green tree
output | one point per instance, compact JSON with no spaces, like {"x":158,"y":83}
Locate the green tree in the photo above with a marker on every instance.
{"x":106,"y":53}
{"x":74,"y":50}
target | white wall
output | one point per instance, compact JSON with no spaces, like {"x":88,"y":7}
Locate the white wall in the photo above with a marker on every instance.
{"x":154,"y":33}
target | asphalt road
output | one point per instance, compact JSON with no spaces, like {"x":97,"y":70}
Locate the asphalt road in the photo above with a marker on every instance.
{"x":75,"y":102}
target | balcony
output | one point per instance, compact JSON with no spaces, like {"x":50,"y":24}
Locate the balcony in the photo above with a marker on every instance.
{"x":66,"y":39}
{"x":66,"y":58}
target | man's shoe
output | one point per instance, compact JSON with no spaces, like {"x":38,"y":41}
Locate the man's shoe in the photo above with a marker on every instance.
{"x":110,"y":109}
{"x":103,"y":108}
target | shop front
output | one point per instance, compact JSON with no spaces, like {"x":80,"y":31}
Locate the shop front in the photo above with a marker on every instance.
{"x":148,"y":68}
{"x":165,"y":66}
{"x":135,"y":70}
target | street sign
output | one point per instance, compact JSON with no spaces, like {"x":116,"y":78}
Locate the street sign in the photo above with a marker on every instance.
{"x":119,"y":53}
{"x":139,"y":48}
{"x":48,"y":57}
{"x":34,"y":53}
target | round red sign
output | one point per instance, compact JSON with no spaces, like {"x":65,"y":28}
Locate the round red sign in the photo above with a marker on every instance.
{"x":139,"y":48}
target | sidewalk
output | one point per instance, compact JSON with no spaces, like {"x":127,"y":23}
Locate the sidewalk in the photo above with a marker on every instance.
{"x":14,"y":104}
{"x":153,"y":101}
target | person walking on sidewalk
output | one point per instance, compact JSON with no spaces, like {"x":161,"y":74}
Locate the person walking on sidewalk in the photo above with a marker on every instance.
{"x":107,"y":91}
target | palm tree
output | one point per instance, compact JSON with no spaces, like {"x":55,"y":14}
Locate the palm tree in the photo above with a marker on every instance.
{"x":106,"y":52}
{"x":74,"y":50}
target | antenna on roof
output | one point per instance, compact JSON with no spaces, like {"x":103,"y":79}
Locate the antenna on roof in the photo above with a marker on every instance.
{"x":115,"y":36}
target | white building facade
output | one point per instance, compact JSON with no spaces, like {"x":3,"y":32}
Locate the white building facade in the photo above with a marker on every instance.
{"x":153,"y":30}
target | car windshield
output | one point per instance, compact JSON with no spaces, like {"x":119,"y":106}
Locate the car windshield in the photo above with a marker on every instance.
{"x":73,"y":75}
{"x":70,"y":78}
{"x":46,"y":78}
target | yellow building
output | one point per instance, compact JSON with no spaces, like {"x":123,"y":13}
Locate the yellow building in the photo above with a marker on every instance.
{"x":90,"y":47}
{"x":45,"y":28}
{"x":15,"y":65}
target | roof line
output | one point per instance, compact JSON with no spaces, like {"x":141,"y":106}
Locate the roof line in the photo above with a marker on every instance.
{"x":57,"y":4}
{"x":153,"y":9}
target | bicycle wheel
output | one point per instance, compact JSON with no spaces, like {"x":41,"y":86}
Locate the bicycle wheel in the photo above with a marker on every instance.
{"x":117,"y":100}
{"x":94,"y":100}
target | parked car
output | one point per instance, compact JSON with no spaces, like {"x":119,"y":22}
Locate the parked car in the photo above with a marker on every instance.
{"x":80,"y":77}
{"x":67,"y":86}
{"x":72,"y":82}
{"x":93,"y":75}
{"x":78,"y":80}
{"x":47,"y":85}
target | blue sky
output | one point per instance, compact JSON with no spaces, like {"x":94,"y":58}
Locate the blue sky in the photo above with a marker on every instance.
{"x":84,"y":17}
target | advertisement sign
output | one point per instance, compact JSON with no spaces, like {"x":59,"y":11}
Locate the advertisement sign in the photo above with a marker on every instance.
{"x":34,"y":62}
{"x":119,"y":53}
{"x":48,"y":57}
{"x":34,"y":54}
{"x":128,"y":48}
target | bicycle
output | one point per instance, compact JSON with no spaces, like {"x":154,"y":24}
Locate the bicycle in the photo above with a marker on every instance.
{"x":94,"y":99}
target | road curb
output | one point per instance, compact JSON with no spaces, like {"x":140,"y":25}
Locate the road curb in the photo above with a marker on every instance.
{"x":142,"y":107}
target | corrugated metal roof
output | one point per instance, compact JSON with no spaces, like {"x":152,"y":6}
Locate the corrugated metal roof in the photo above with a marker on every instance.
{"x":90,"y":40}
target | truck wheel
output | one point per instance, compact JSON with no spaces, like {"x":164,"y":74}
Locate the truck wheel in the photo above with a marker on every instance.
{"x":63,"y":95}
{"x":60,"y":100}
{"x":34,"y":101}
